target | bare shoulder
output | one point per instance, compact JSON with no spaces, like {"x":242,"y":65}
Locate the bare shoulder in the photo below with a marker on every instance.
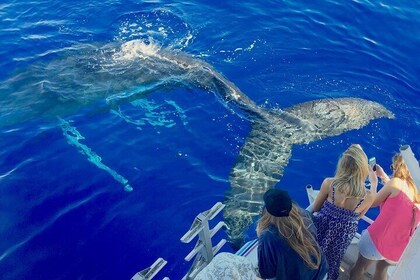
{"x":326,"y":184}
{"x":393,"y":186}
{"x":327,"y":181}
{"x":395,"y":183}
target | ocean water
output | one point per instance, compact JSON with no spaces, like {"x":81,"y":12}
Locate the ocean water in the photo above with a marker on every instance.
{"x":93,"y":192}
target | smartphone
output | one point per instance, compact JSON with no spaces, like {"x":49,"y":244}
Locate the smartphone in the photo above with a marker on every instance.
{"x":372,"y":163}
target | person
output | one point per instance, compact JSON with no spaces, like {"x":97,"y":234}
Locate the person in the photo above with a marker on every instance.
{"x":341,"y":202}
{"x":228,"y":266}
{"x":386,"y":238}
{"x":287,"y":247}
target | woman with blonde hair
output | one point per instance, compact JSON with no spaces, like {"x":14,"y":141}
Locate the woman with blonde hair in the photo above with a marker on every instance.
{"x":341,"y":202}
{"x":287,"y":247}
{"x":385,"y":239}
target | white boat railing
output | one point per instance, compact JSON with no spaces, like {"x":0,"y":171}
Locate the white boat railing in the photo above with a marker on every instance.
{"x":150,"y":272}
{"x":412,"y":163}
{"x":203,"y":250}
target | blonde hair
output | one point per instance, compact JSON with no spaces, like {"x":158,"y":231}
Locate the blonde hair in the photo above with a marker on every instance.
{"x":401,"y":171}
{"x":293,"y":229}
{"x":352,"y":170}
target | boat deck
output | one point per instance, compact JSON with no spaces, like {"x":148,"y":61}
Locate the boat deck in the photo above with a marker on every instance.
{"x":349,"y":260}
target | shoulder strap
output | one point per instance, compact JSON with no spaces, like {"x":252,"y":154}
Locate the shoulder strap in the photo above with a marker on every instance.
{"x":360,"y":202}
{"x":333,"y":191}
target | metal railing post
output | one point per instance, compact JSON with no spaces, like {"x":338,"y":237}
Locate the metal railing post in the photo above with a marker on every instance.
{"x":150,"y":272}
{"x":203,"y":250}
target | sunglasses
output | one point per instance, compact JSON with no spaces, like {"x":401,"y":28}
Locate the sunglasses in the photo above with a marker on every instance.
{"x":391,"y":167}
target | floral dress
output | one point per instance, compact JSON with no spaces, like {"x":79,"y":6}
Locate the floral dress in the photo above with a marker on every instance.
{"x":336,"y":227}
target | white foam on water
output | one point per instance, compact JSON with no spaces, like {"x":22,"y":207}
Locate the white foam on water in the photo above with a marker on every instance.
{"x":136,"y":49}
{"x":160,"y":25}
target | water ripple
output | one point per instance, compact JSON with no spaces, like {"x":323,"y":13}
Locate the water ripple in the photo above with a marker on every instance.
{"x":21,"y":164}
{"x":34,"y":233}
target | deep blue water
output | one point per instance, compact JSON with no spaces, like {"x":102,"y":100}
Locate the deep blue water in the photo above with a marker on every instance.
{"x":62,"y":217}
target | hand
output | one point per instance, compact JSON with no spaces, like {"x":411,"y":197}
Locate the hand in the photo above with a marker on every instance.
{"x":381,"y":174}
{"x":380,"y":171}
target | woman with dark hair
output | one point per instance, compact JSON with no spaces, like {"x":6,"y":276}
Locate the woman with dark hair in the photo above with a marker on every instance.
{"x":385,"y":239}
{"x":287,"y":241}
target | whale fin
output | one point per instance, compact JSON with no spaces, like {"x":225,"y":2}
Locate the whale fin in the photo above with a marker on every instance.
{"x":331,"y":117}
{"x":73,"y":138}
{"x":267,"y":149}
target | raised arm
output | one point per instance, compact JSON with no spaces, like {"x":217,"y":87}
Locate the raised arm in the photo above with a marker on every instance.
{"x":388,"y":188}
{"x":371,"y":195}
{"x":373,"y":179}
{"x":383,"y":194}
{"x":367,"y":203}
{"x":381,"y":174}
{"x":322,"y":195}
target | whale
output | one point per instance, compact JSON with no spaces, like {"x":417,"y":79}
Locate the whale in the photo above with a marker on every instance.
{"x":113,"y":74}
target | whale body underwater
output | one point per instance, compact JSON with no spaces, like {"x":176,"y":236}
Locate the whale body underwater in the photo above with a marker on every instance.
{"x":114,"y":74}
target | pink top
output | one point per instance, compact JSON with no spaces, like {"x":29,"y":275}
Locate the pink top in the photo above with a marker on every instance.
{"x":391,"y":230}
